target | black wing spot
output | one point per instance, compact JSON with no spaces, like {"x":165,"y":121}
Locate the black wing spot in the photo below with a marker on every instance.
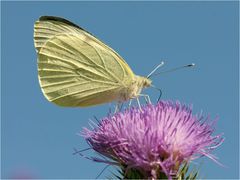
{"x":59,"y":19}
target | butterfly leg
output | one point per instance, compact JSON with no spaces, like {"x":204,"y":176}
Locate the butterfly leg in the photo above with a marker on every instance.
{"x":118,"y":107}
{"x":139,"y":105}
{"x":121,"y":106}
{"x":147,"y":98}
{"x":130,"y":102}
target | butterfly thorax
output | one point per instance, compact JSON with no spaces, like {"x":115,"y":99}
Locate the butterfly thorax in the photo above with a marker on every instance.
{"x":135,"y":88}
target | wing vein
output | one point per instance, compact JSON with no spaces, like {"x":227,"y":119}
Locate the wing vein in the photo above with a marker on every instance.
{"x":118,"y":80}
{"x":59,"y":97}
{"x":55,"y":70}
{"x":54,"y":64}
{"x":59,"y":83}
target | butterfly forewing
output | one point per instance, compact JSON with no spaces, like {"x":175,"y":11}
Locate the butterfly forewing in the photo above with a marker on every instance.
{"x":49,"y":26}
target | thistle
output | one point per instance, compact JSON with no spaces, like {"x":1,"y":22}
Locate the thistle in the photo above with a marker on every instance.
{"x":157,"y":142}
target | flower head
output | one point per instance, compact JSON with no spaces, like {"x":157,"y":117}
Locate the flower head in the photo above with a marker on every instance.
{"x":156,"y":139}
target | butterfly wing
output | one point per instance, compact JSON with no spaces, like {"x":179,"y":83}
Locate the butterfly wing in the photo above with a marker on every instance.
{"x":49,"y":26}
{"x":76,"y":69}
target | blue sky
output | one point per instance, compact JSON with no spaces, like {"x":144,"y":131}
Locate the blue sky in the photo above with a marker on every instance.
{"x":37,"y":137}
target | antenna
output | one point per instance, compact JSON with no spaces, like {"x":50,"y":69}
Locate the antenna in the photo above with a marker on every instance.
{"x":158,"y":66}
{"x":174,"y":69}
{"x":160,"y":92}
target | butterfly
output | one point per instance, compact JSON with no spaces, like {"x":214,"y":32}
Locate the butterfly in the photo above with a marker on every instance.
{"x":75,"y":69}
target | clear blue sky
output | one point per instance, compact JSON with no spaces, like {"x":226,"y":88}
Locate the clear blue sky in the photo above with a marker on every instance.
{"x":38,"y":137}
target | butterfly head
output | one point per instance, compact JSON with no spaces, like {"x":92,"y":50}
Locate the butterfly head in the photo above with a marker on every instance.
{"x":142,"y":82}
{"x":146,"y":82}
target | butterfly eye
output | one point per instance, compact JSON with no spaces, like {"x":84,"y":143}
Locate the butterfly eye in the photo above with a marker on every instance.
{"x":146,"y":83}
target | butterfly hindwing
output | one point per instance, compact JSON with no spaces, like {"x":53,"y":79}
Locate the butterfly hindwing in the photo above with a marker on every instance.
{"x":72,"y":68}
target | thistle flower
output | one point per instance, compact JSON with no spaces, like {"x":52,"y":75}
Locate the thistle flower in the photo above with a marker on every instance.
{"x":155,"y":141}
